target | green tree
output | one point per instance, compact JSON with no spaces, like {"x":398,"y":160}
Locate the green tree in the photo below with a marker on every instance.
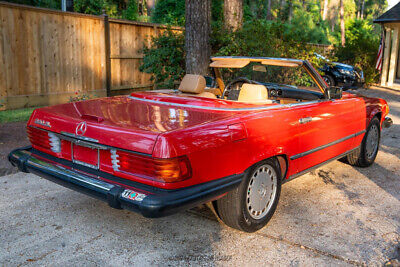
{"x":361,"y":48}
{"x":170,"y":12}
{"x":131,"y":12}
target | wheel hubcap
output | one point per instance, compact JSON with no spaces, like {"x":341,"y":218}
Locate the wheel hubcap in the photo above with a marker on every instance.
{"x":372,"y":141}
{"x":261,"y":191}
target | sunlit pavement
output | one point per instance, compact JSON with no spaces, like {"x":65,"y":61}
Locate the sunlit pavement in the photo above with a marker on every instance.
{"x":337,"y":215}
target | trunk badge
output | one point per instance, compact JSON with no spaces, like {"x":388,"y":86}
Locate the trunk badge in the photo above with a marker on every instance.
{"x":43,"y":122}
{"x":81,"y":128}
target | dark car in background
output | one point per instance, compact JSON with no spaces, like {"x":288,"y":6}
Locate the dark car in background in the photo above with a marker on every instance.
{"x":342,"y":75}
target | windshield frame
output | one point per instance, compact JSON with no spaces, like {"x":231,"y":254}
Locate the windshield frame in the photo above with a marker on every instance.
{"x":268,"y":61}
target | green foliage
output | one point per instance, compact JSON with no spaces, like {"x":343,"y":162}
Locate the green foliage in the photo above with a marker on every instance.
{"x":131,"y":11}
{"x":361,"y":49}
{"x":165,"y":59}
{"x":113,"y":8}
{"x":54,"y":4}
{"x":94,"y":7}
{"x":267,"y":38}
{"x":170,"y":12}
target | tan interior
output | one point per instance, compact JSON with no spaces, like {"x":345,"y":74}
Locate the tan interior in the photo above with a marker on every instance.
{"x":253,"y":93}
{"x":193,"y":84}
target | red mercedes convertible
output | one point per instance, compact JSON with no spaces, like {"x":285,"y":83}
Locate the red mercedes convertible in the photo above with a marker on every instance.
{"x":232,"y":139}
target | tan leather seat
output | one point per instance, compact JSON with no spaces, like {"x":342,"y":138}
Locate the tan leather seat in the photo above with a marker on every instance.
{"x":193,"y":84}
{"x":253,"y":93}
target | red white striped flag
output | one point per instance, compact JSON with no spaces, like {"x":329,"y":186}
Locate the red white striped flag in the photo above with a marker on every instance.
{"x":380,"y":55}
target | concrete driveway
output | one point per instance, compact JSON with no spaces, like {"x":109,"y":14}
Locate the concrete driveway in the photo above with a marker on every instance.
{"x":337,"y":215}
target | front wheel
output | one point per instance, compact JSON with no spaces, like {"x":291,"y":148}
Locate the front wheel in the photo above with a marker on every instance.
{"x":250,"y":206}
{"x":329,"y":80}
{"x":366,"y":154}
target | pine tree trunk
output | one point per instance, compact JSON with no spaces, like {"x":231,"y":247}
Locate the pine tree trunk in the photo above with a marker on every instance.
{"x":197,"y":36}
{"x":150,"y":4}
{"x":282,"y":9}
{"x":233,"y":14}
{"x":325,"y":12}
{"x":362,"y":9}
{"x":342,"y":27}
{"x":290,"y":11}
{"x":269,"y":15}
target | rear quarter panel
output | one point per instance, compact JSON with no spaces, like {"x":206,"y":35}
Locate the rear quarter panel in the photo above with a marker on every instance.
{"x":214,"y":154}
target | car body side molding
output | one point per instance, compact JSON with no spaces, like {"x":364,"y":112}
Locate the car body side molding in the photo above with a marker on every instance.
{"x":319,"y":165}
{"x":326,"y":145}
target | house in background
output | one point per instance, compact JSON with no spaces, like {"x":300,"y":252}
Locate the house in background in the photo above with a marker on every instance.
{"x":390,"y":21}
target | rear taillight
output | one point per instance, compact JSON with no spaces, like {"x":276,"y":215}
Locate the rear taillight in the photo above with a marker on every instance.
{"x":44,"y":139}
{"x":162,"y":170}
{"x":39,"y":138}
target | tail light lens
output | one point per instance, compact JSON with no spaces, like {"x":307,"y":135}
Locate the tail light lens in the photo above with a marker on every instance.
{"x":43,"y":139}
{"x":162,"y":170}
{"x":39,"y":138}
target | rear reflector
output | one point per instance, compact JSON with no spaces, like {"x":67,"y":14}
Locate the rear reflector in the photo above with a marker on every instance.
{"x":162,"y":170}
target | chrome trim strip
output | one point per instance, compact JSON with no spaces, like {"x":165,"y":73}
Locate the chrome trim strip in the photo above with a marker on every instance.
{"x":90,"y":145}
{"x":226,"y":109}
{"x":80,"y":137}
{"x":326,"y":145}
{"x":291,"y":177}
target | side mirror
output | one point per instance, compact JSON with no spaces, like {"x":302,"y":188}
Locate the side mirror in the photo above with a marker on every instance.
{"x":334,"y":92}
{"x":210,"y":81}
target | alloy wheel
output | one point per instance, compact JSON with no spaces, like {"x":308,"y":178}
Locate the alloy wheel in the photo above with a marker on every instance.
{"x":261,"y":191}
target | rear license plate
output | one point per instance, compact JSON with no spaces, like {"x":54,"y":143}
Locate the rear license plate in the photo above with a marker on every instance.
{"x":85,"y":156}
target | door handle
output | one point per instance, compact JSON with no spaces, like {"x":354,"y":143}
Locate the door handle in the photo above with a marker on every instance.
{"x":305,"y":120}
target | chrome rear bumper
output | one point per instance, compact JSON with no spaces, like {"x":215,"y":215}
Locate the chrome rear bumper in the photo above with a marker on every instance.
{"x":149,"y":201}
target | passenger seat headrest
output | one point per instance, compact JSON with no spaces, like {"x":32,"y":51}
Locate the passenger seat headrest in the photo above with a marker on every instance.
{"x":253,"y":93}
{"x":192,"y":83}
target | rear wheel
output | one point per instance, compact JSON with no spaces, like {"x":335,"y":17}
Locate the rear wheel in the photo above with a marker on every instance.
{"x":250,"y":206}
{"x":366,"y":154}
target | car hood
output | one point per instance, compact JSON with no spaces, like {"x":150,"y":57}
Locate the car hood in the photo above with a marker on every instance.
{"x":343,"y":66}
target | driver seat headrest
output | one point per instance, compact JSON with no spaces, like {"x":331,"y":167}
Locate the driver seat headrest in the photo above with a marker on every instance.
{"x":253,"y":93}
{"x":193,"y":84}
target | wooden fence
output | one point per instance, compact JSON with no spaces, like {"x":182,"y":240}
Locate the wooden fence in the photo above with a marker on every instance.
{"x":47,"y":56}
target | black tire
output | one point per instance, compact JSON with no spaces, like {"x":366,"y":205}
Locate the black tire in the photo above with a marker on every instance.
{"x":363,"y":157}
{"x":232,"y":208}
{"x":329,"y":80}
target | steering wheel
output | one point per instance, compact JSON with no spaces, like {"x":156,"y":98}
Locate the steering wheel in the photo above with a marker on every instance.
{"x":232,"y":89}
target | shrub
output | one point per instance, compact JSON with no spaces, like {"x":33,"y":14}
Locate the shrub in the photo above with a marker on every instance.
{"x":165,"y":59}
{"x":361,"y":49}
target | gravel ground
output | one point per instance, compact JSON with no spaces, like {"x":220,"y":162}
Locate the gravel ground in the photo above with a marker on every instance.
{"x":12,"y":135}
{"x":336,"y":215}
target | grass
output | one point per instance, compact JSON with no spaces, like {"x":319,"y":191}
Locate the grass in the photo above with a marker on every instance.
{"x":16,"y":115}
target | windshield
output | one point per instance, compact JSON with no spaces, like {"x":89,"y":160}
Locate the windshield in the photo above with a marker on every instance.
{"x":271,"y":76}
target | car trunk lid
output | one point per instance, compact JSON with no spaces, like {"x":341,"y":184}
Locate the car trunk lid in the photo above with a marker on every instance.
{"x":120,"y":122}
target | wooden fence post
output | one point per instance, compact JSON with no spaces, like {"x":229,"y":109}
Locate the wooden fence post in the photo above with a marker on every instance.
{"x":108,"y":53}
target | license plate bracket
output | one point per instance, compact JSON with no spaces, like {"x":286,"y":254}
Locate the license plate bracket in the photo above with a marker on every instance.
{"x":86,"y":156}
